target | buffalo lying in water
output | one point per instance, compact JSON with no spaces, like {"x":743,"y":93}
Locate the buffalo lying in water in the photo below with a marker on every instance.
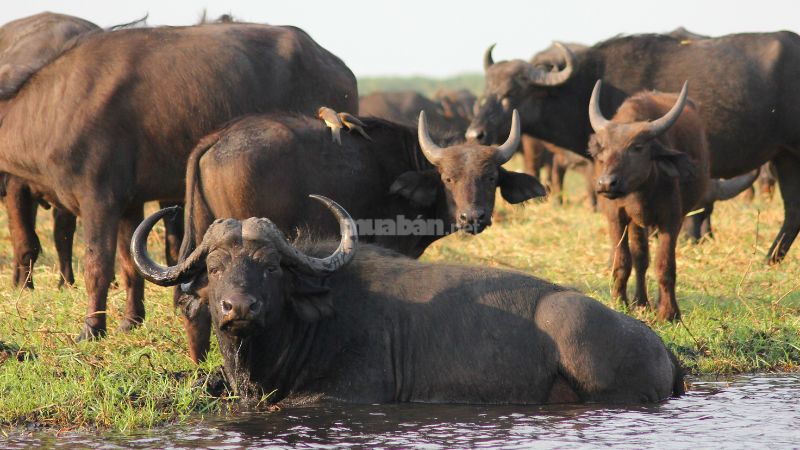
{"x":379,"y":327}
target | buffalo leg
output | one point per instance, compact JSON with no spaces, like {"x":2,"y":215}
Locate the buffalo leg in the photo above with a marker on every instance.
{"x":198,"y":333}
{"x":133,"y":282}
{"x":591,"y":194}
{"x":621,"y":261}
{"x":665,"y":271}
{"x":63,"y":235}
{"x":21,"y":209}
{"x":787,"y":170}
{"x":557,"y":174}
{"x":641,"y":259}
{"x":531,"y":161}
{"x":173,"y":233}
{"x":100,"y":235}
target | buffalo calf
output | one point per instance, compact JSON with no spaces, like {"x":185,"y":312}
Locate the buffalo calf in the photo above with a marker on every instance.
{"x":651,"y":162}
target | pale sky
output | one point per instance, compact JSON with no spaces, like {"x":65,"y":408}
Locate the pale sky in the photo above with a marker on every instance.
{"x":441,"y":38}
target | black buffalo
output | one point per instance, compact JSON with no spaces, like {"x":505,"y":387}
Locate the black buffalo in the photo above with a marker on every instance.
{"x":379,"y":327}
{"x":109,"y":124}
{"x":744,"y":84}
{"x":267,"y":165}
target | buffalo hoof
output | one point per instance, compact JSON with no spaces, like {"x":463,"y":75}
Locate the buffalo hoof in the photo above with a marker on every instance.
{"x":128,"y":324}
{"x":641,"y":303}
{"x":22,"y":278}
{"x":668,"y":315}
{"x":69,"y":282}
{"x":89,"y":333}
{"x":775,"y":258}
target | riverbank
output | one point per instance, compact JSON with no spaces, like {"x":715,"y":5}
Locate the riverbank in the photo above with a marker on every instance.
{"x":739,"y":315}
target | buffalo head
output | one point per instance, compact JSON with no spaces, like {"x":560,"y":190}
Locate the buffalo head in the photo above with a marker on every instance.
{"x":625,"y":152}
{"x":469,"y":175}
{"x":247,"y":274}
{"x":516,"y":84}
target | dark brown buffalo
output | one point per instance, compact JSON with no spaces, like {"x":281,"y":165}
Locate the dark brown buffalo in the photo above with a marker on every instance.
{"x":27,"y":45}
{"x":539,"y":153}
{"x":109,"y":124}
{"x":746,"y":86}
{"x":267,"y":165}
{"x":457,"y":105}
{"x":651,"y":161}
{"x":320,"y":322}
{"x":404,"y":106}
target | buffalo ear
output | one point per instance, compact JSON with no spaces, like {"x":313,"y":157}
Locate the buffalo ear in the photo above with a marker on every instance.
{"x":673,"y":163}
{"x":190,"y":297}
{"x":420,"y":188}
{"x":309,"y":296}
{"x":518,"y":187}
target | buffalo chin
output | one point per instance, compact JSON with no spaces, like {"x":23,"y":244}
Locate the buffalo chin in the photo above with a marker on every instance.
{"x":473,"y":228}
{"x":240,"y":328}
{"x":612,"y":195}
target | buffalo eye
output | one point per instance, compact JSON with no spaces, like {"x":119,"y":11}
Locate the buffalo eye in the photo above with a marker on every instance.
{"x":492,"y":179}
{"x":638,"y":148}
{"x":448,"y":180}
{"x":215,"y":269}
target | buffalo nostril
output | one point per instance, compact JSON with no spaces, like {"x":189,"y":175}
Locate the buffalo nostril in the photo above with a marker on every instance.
{"x":463,"y":216}
{"x":481,"y":215}
{"x":255,"y":307}
{"x":227,"y":306}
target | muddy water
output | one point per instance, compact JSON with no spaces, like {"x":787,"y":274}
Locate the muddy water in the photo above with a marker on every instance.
{"x":743,"y":412}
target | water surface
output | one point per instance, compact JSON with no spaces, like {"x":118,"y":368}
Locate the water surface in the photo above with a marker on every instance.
{"x":742,"y":412}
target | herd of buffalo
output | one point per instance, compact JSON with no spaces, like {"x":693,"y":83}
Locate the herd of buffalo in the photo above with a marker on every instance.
{"x":246,"y":125}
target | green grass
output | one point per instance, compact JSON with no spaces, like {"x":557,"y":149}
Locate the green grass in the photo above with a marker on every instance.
{"x":740,"y":315}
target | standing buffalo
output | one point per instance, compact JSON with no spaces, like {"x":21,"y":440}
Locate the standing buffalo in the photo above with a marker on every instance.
{"x":651,"y":161}
{"x":378,"y":327}
{"x":404,"y":189}
{"x":109,"y":124}
{"x":27,"y":45}
{"x":404,"y":106}
{"x":746,"y":87}
{"x":539,"y":153}
{"x":457,"y":105}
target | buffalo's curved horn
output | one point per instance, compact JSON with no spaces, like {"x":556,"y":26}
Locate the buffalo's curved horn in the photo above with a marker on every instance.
{"x":343,"y":254}
{"x":662,"y":124}
{"x":541,"y":77}
{"x":727,"y":189}
{"x":153,"y":271}
{"x":488,"y":61}
{"x":432,"y":152}
{"x":596,"y":117}
{"x":506,"y":151}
